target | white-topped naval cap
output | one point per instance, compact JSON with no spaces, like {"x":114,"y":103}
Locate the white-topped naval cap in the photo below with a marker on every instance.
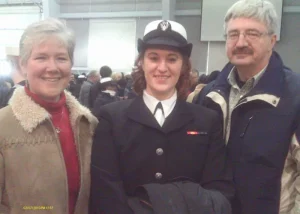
{"x":163,"y":24}
{"x":165,"y":33}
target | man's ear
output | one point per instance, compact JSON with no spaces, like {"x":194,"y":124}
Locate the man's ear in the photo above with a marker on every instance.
{"x":273,"y":40}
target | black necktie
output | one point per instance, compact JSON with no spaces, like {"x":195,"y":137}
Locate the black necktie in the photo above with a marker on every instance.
{"x":159,"y":114}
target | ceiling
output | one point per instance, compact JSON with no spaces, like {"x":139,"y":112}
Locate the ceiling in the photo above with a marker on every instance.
{"x":20,"y":2}
{"x":113,"y":2}
{"x":91,"y":2}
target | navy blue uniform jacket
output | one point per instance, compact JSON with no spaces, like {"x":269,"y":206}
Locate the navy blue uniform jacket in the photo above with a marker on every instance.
{"x":131,"y":149}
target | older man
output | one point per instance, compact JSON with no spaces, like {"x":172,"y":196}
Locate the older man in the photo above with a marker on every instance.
{"x":12,"y":55}
{"x":84,"y":95}
{"x":259,"y":100}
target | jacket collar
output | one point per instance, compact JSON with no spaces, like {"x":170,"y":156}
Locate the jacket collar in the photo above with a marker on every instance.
{"x":30,"y":114}
{"x":273,"y":76}
{"x":179,"y":117}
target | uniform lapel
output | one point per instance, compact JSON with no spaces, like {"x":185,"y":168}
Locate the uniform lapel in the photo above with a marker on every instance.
{"x":180,"y":116}
{"x":139,"y":112}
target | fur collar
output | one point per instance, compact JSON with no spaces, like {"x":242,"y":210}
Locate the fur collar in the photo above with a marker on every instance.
{"x":30,"y":115}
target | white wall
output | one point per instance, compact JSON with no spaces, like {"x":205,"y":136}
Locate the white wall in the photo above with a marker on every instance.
{"x":13,"y":22}
{"x":51,"y":8}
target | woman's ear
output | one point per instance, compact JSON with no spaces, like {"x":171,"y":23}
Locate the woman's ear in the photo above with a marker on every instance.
{"x":22,"y":68}
{"x":140,"y":62}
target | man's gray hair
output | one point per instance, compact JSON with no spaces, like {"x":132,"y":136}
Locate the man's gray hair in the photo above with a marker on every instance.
{"x":40,"y":31}
{"x":260,"y":10}
{"x":92,"y":73}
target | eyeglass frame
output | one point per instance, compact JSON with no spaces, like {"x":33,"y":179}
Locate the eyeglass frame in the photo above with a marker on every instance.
{"x":246,"y":35}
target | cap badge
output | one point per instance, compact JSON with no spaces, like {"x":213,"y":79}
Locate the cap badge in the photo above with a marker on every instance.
{"x":164,"y":25}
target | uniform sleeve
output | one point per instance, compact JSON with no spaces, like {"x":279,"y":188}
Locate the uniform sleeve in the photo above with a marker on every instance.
{"x":217,"y":174}
{"x":3,"y":208}
{"x":107,"y":192}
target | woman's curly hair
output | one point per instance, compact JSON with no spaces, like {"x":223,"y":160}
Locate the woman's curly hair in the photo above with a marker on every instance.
{"x":182,"y":86}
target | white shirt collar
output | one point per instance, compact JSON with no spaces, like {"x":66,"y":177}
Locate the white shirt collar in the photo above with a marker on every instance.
{"x":168,"y":104}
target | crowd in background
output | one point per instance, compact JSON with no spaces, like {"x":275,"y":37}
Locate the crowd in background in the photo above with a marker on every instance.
{"x":97,"y":88}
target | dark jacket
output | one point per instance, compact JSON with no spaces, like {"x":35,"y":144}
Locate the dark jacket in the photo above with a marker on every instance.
{"x":9,"y":94}
{"x":95,"y":90}
{"x":102,"y":99}
{"x":262,"y":126}
{"x":75,"y":88}
{"x":4,"y":95}
{"x":72,"y":89}
{"x":84,"y":95}
{"x":131,"y":149}
{"x":178,"y":197}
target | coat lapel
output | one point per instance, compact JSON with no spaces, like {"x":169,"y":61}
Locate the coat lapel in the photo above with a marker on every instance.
{"x":139,"y":112}
{"x":180,"y":116}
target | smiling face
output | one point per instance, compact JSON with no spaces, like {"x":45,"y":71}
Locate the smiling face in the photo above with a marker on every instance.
{"x":249,"y":43}
{"x":162,"y":70}
{"x":48,"y":69}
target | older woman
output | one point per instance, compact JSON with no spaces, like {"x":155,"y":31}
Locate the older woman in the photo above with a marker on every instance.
{"x":158,"y":139}
{"x":46,"y":135}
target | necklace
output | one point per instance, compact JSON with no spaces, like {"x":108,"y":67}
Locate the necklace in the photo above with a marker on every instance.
{"x":57,"y":129}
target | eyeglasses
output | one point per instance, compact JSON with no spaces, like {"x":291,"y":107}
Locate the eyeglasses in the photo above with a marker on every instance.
{"x":250,"y":35}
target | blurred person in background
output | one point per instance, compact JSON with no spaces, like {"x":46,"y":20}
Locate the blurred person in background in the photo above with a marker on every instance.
{"x":107,"y":95}
{"x":79,"y":80}
{"x":194,"y":77}
{"x":201,"y":82}
{"x":205,"y":83}
{"x":84,"y":95}
{"x":104,"y":71}
{"x":72,"y":85}
{"x":12,"y":55}
{"x":119,"y":78}
{"x":129,"y":92}
{"x":8,"y":81}
{"x":4,"y":92}
{"x":121,"y":86}
{"x":116,"y":76}
{"x":46,"y":135}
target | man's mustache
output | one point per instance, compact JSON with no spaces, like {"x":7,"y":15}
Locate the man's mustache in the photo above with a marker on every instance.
{"x":242,"y":51}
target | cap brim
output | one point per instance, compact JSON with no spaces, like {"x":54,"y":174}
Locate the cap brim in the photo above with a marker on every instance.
{"x":166,"y":42}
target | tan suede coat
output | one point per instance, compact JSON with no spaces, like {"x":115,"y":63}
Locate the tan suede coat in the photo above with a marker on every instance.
{"x":33,"y":177}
